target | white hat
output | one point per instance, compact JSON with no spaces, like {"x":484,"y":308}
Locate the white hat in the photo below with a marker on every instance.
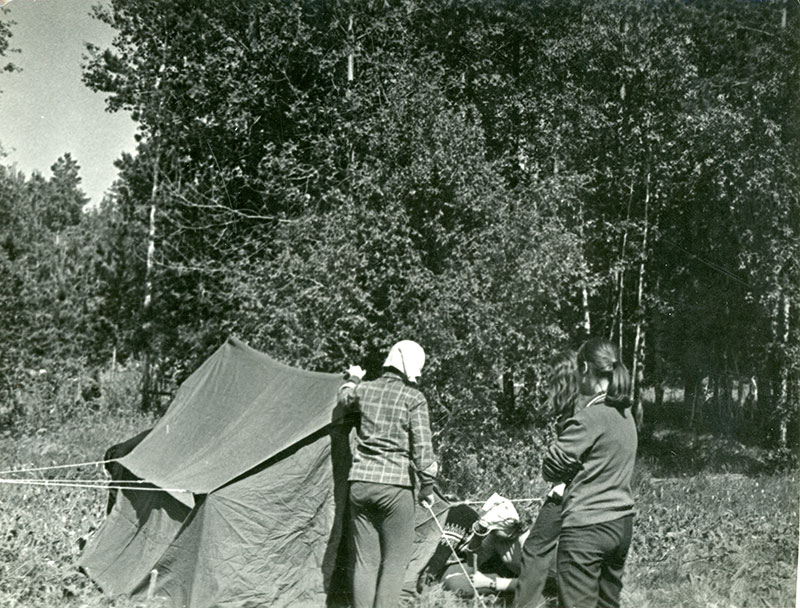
{"x":497,"y":511}
{"x":408,"y":357}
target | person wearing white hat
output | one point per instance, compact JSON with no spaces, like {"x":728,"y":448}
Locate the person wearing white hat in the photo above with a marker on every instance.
{"x":393,"y":455}
{"x":480,"y":551}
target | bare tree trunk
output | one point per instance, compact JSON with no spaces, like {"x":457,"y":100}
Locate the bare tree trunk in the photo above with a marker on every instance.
{"x":617,"y":314}
{"x":151,"y":243}
{"x":638,"y":381}
{"x":738,"y":410}
{"x":727,"y":403}
{"x":751,"y":401}
{"x":147,"y":326}
{"x":618,"y":311}
{"x":658,"y":369}
{"x":587,"y":320}
{"x":638,"y":341}
{"x":657,"y":336}
{"x":783,"y":385}
{"x":620,"y":319}
{"x":694,"y":367}
{"x":690,"y":397}
{"x":737,"y":373}
{"x":350,"y":56}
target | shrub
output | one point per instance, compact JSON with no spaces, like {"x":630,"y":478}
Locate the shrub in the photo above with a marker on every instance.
{"x":46,"y":396}
{"x":120,"y":387}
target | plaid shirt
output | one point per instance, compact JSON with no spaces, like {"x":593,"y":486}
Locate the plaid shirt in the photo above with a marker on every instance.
{"x":394,"y":435}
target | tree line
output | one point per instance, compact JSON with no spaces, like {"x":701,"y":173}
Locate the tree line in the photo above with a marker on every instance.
{"x":496,"y":180}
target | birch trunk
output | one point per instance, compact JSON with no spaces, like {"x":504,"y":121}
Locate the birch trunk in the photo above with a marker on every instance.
{"x":147,"y":329}
{"x":618,"y":312}
{"x":783,"y":386}
{"x":148,"y":286}
{"x":587,"y":320}
{"x":350,"y":56}
{"x":638,"y":341}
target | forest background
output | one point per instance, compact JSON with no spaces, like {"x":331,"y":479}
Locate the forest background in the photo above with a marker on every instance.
{"x":496,"y":180}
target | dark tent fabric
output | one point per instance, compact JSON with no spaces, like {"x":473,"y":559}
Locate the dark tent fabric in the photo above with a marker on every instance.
{"x":245,"y":495}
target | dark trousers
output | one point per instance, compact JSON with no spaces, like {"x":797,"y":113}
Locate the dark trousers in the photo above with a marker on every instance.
{"x":382,"y":517}
{"x":590,"y":563}
{"x":539,"y":555}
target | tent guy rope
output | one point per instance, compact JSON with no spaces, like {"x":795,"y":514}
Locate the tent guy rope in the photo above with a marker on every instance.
{"x":81,"y":483}
{"x":99,"y":483}
{"x":91,"y":484}
{"x":480,"y":502}
{"x":58,"y":466}
{"x":67,"y":480}
{"x":453,"y":550}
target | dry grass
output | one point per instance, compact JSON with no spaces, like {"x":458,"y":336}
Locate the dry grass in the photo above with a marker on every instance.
{"x":43,"y":527}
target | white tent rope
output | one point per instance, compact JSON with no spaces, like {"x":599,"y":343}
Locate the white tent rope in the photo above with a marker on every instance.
{"x":67,"y":480}
{"x":480,"y":502}
{"x":453,"y":550}
{"x":59,"y":466}
{"x":91,"y":484}
{"x":114,"y":484}
{"x":105,"y":462}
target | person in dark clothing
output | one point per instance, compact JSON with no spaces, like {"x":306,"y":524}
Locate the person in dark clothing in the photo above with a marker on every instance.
{"x":539,"y":550}
{"x":393,"y":454}
{"x":595,"y":455}
{"x":457,"y":537}
{"x":479,"y":550}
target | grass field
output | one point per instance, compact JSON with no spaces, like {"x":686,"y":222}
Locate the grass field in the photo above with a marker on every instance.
{"x":717,"y":522}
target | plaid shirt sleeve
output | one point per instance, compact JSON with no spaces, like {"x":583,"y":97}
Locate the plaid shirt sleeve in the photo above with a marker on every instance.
{"x":421,"y":444}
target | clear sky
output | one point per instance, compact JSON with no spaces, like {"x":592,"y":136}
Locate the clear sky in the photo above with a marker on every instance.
{"x":46,"y":110}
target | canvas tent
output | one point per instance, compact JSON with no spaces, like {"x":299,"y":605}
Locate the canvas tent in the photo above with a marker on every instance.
{"x":242,"y":493}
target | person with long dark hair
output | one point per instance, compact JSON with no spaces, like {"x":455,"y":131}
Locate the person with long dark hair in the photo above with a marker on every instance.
{"x":594,"y":455}
{"x":539,"y":549}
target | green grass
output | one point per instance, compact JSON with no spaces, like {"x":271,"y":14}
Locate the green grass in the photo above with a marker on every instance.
{"x":715,"y":527}
{"x":714,"y":540}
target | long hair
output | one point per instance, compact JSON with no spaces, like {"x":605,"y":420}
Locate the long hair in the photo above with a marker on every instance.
{"x":562,"y":389}
{"x":602,"y":357}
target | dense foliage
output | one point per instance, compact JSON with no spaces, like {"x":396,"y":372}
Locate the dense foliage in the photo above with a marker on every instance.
{"x":494,"y":180}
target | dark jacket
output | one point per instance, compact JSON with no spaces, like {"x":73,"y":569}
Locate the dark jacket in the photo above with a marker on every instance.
{"x":596,"y":451}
